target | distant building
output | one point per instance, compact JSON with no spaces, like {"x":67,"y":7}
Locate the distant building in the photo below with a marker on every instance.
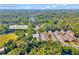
{"x":61,"y":36}
{"x":58,"y":36}
{"x":42,"y":36}
{"x":70,"y":33}
{"x":52,"y":36}
{"x":63,"y":32}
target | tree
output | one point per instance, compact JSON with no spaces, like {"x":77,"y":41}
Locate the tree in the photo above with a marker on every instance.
{"x":30,"y":33}
{"x":10,"y":46}
{"x":16,"y":51}
{"x":46,"y":48}
{"x":68,"y":50}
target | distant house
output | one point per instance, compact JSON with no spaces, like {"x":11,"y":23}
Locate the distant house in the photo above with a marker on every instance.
{"x":70,"y":33}
{"x":42,"y":36}
{"x":58,"y":36}
{"x":63,"y":32}
{"x":62,"y":36}
{"x":52,"y":36}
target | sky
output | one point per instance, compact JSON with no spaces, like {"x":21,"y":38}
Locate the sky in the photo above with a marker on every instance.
{"x":39,"y":6}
